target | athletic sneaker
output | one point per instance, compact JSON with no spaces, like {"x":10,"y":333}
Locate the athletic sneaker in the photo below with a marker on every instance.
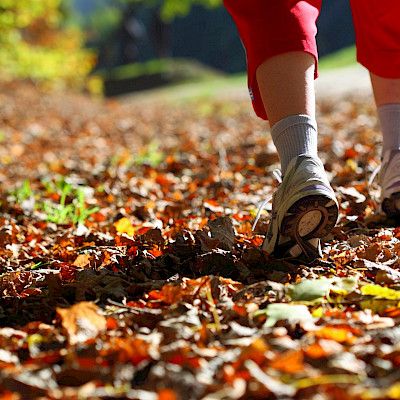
{"x":304,"y":209}
{"x":389,"y":181}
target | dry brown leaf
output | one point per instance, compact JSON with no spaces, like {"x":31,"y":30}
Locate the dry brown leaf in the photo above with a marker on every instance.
{"x":223,"y":230}
{"x":82,"y":261}
{"x":82,"y":321}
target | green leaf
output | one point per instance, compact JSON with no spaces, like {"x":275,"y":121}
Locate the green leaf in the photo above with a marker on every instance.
{"x":344,"y":286}
{"x":282,"y":311}
{"x":309,"y":290}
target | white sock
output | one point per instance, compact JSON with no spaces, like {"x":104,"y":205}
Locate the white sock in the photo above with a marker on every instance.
{"x":293,"y":136}
{"x":389,"y":117}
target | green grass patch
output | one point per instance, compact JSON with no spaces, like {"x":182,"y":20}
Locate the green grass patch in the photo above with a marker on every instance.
{"x":183,"y":69}
{"x":342,"y":58}
{"x":204,"y":83}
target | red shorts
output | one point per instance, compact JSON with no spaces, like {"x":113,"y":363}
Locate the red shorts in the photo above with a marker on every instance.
{"x":271,"y":27}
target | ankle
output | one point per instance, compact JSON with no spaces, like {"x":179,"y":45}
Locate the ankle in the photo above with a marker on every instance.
{"x":293,"y":136}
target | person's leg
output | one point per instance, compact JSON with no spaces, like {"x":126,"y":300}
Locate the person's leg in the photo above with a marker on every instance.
{"x":378,"y":49}
{"x":286,"y":84}
{"x":279,"y":37}
{"x":387,"y":99}
{"x":270,"y":28}
{"x":386,"y":90}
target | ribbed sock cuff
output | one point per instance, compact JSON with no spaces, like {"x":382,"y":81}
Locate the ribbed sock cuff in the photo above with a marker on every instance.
{"x":389,"y":117}
{"x":293,"y":136}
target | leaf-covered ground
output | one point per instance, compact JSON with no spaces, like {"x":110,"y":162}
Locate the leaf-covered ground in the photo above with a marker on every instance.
{"x":129,"y":268}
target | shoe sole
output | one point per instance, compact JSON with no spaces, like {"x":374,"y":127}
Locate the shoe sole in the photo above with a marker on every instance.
{"x":308,"y":219}
{"x":391,"y":206}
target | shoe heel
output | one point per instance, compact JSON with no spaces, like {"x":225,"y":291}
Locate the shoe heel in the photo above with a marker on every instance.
{"x":311,"y":217}
{"x":391,"y":206}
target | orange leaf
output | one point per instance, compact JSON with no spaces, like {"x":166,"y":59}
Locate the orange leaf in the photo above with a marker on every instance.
{"x":289,"y":362}
{"x":111,"y":323}
{"x":82,"y":321}
{"x":322,"y":349}
{"x":256,"y":351}
{"x":131,"y":350}
{"x":155,"y":252}
{"x":241,"y":310}
{"x":167,"y":394}
{"x":315,"y":351}
{"x":339,"y":335}
{"x":350,"y":153}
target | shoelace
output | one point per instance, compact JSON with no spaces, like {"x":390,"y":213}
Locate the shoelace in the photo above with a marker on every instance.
{"x":391,"y":165}
{"x":371,"y":180}
{"x":278,"y":176}
{"x":374,"y":174}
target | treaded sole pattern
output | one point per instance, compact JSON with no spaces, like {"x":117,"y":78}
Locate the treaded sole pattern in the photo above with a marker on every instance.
{"x":311,"y":217}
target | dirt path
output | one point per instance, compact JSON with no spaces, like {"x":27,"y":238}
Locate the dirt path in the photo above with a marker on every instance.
{"x":343,"y":82}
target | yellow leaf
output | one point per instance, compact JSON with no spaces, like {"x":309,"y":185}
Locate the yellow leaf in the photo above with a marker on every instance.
{"x":326,"y":379}
{"x":318,"y":312}
{"x":380,"y":292}
{"x":394,"y":391}
{"x":123,"y":225}
{"x":351,"y":164}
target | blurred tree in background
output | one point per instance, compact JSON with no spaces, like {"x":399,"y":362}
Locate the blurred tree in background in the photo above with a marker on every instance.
{"x":173,"y":8}
{"x":37,"y":44}
{"x":127,"y":31}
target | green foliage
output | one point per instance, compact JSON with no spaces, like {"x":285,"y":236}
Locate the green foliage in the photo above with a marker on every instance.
{"x":182,"y":69}
{"x":103,"y":21}
{"x":71,"y":207}
{"x":74,"y":211}
{"x":151,"y":155}
{"x":339,"y":59}
{"x":35,"y":45}
{"x":23,"y":192}
{"x":173,"y":8}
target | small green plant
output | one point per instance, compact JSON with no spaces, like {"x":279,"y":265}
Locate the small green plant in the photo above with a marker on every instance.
{"x":71,"y":207}
{"x":23,"y":193}
{"x":151,"y":155}
{"x":62,"y":213}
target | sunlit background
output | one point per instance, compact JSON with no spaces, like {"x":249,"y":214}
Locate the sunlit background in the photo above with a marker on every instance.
{"x":113,"y":47}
